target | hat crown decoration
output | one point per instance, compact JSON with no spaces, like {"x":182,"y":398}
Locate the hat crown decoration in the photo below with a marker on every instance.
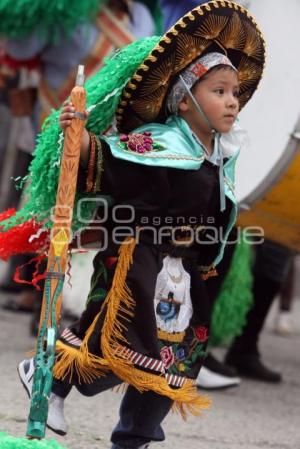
{"x":233,"y":35}
{"x":188,"y":46}
{"x":221,"y":26}
{"x":212,"y":27}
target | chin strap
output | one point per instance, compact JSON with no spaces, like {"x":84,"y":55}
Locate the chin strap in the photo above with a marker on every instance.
{"x":195,"y":102}
{"x":217,"y":147}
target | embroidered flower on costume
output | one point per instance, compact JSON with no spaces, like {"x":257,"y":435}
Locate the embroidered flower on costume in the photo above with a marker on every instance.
{"x":180,"y":354}
{"x":201,"y":333}
{"x":167,"y":356}
{"x":110,"y":262}
{"x":181,"y":367}
{"x":139,"y":143}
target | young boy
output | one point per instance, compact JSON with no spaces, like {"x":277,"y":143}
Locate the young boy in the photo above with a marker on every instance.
{"x":171,"y":176}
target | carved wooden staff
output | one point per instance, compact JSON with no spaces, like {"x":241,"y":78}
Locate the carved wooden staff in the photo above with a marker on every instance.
{"x":57,"y":261}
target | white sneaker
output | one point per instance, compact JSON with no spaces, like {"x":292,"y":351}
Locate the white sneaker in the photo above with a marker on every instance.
{"x":284,"y":325}
{"x":26,"y":372}
{"x":56,"y":419}
{"x":209,"y":380}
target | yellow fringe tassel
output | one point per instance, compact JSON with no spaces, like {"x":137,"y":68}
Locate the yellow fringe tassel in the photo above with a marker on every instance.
{"x":87,"y":366}
{"x":120,"y":303}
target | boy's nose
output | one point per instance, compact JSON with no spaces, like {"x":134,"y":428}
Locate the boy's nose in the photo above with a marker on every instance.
{"x":233,"y":102}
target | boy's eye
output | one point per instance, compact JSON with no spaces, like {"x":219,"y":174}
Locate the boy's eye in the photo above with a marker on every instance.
{"x":236,"y":94}
{"x":219,"y":91}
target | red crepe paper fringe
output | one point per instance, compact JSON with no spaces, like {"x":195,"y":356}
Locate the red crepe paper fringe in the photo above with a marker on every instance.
{"x":18,"y":240}
{"x":7,"y":214}
{"x":36,"y":277}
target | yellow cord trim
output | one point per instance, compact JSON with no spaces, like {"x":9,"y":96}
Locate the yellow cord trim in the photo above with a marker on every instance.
{"x":120,"y":304}
{"x":86,"y":365}
{"x":176,"y":337}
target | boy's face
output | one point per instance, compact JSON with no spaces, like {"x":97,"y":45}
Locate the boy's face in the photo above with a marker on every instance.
{"x":217,"y":95}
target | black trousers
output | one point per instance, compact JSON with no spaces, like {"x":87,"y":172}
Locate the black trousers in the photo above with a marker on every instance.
{"x":140,"y":415}
{"x":270,"y":270}
{"x":264,"y":292}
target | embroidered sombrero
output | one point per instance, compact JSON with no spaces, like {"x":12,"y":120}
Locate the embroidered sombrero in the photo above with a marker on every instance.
{"x":218,"y":25}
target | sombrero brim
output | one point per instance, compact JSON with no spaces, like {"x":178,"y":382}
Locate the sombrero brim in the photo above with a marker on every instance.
{"x":218,"y":25}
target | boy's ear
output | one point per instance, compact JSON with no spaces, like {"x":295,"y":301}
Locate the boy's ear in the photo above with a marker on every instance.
{"x":183,"y":106}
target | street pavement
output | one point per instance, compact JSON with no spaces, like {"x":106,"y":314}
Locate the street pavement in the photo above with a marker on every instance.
{"x":253,"y":416}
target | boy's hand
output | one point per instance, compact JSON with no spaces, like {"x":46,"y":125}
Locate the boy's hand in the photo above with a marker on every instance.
{"x":67,"y":114}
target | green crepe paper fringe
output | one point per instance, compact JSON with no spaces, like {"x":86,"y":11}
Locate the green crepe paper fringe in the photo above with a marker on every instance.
{"x":235,"y":297}
{"x":9,"y":442}
{"x":103,"y":93}
{"x":20,"y":18}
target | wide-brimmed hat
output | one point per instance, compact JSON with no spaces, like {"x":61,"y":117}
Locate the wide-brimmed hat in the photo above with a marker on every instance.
{"x":221,"y":26}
